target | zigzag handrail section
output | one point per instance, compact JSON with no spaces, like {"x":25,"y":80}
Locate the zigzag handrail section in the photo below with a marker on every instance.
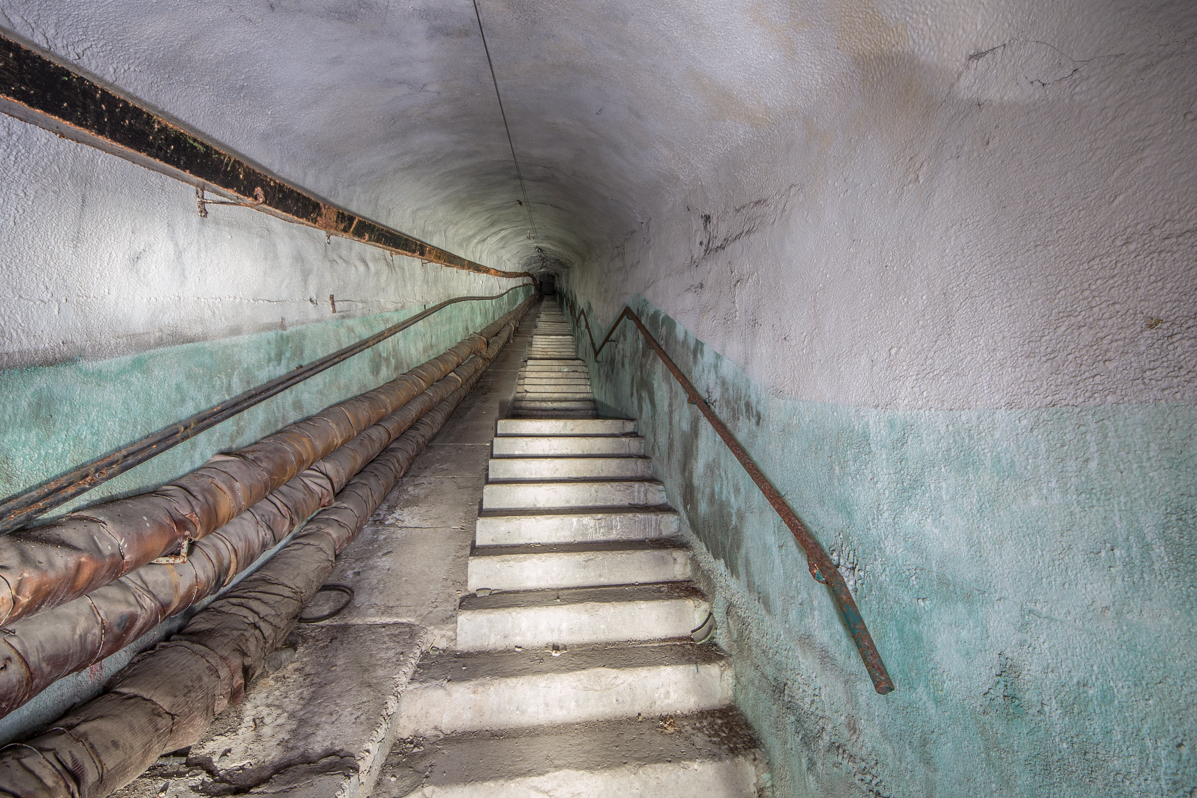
{"x":18,"y":510}
{"x":42,"y":89}
{"x":821,"y":567}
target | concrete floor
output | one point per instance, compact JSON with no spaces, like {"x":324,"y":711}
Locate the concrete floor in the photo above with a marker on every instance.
{"x":322,"y":721}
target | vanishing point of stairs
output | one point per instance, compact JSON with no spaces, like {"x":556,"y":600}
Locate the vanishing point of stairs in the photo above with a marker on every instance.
{"x":576,"y":672}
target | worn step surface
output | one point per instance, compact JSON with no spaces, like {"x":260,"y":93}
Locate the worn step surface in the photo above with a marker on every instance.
{"x":565,"y":446}
{"x":576,"y":616}
{"x":524,"y":469}
{"x":564,"y":495}
{"x":536,"y":567}
{"x":597,"y":426}
{"x":457,"y":691}
{"x":513,"y":529}
{"x":710,"y":754}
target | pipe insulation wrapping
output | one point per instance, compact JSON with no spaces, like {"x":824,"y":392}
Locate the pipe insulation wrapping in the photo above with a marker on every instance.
{"x":75,"y":635}
{"x":52,"y":564}
{"x":167,"y":697}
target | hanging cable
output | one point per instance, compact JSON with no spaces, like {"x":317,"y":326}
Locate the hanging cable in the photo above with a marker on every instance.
{"x":518,"y":173}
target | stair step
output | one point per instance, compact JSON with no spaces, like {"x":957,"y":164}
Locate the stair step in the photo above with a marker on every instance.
{"x":598,"y":426}
{"x":470,"y":691}
{"x":555,"y":379}
{"x":525,"y":469}
{"x":562,"y":495}
{"x":712,"y":754}
{"x":556,"y":361}
{"x":555,"y":387}
{"x":577,"y":616}
{"x":528,"y":405}
{"x":541,"y":413}
{"x":565,"y":446}
{"x":549,"y":528}
{"x":577,"y":565}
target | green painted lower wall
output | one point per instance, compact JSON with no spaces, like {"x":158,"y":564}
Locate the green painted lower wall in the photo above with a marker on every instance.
{"x":55,"y":417}
{"x":1030,"y":577}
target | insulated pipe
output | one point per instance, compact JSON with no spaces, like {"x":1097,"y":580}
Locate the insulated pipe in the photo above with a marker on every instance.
{"x":166,"y":698}
{"x":49,"y":565}
{"x":60,"y":641}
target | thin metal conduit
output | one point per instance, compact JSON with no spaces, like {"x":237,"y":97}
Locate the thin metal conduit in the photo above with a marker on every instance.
{"x":821,"y":567}
{"x":19,"y":510}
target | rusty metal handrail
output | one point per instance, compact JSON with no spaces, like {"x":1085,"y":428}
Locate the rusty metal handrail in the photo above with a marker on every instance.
{"x":820,"y":565}
{"x":18,"y":510}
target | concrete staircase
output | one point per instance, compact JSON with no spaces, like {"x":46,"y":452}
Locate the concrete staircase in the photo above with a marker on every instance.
{"x":576,"y":670}
{"x":553,"y":382}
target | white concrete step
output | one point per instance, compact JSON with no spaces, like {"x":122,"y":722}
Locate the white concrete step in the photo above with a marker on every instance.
{"x":553,"y":379}
{"x":564,"y":495}
{"x":532,"y":369}
{"x":560,"y":387}
{"x":566,"y":446}
{"x":556,"y":361}
{"x":517,"y":412}
{"x":577,"y":565}
{"x":528,"y":405}
{"x":598,"y":426}
{"x":577,"y":616}
{"x":507,"y":529}
{"x":455,"y":692}
{"x":526,"y":469}
{"x":710,"y":754}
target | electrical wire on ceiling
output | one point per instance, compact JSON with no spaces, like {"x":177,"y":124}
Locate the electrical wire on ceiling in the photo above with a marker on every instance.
{"x":518,"y":172}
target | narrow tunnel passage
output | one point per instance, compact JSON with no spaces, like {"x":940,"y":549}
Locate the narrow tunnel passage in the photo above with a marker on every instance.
{"x":930,"y":263}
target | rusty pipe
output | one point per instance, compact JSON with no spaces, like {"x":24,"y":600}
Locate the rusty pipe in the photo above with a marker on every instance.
{"x":42,"y":649}
{"x":42,"y":89}
{"x":167,"y":697}
{"x":52,"y":564}
{"x":821,"y":565}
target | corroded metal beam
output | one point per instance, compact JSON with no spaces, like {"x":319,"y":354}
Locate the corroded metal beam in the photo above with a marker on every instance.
{"x":43,"y":90}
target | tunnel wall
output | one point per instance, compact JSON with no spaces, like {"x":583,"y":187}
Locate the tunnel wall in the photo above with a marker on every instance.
{"x":952,"y":310}
{"x":124,"y":311}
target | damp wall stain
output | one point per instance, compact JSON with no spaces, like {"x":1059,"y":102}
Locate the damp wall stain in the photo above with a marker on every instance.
{"x":1029,"y":576}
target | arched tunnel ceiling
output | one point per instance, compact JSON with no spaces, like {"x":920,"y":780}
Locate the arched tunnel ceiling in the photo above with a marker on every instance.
{"x":388,"y":108}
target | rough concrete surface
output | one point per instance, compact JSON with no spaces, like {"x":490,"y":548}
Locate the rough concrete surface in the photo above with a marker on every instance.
{"x":932,"y":260}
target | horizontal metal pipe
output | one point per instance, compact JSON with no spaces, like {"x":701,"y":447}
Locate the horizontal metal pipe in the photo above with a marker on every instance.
{"x":822,"y":569}
{"x":166,"y":698}
{"x":18,"y":510}
{"x":39,"y":88}
{"x":44,"y":648}
{"x":52,"y":564}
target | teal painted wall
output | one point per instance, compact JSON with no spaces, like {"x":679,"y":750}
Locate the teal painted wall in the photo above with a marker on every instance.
{"x":1030,"y":577}
{"x":53,"y":418}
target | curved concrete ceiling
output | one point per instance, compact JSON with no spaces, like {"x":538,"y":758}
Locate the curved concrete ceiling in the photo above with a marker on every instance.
{"x":389,"y":109}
